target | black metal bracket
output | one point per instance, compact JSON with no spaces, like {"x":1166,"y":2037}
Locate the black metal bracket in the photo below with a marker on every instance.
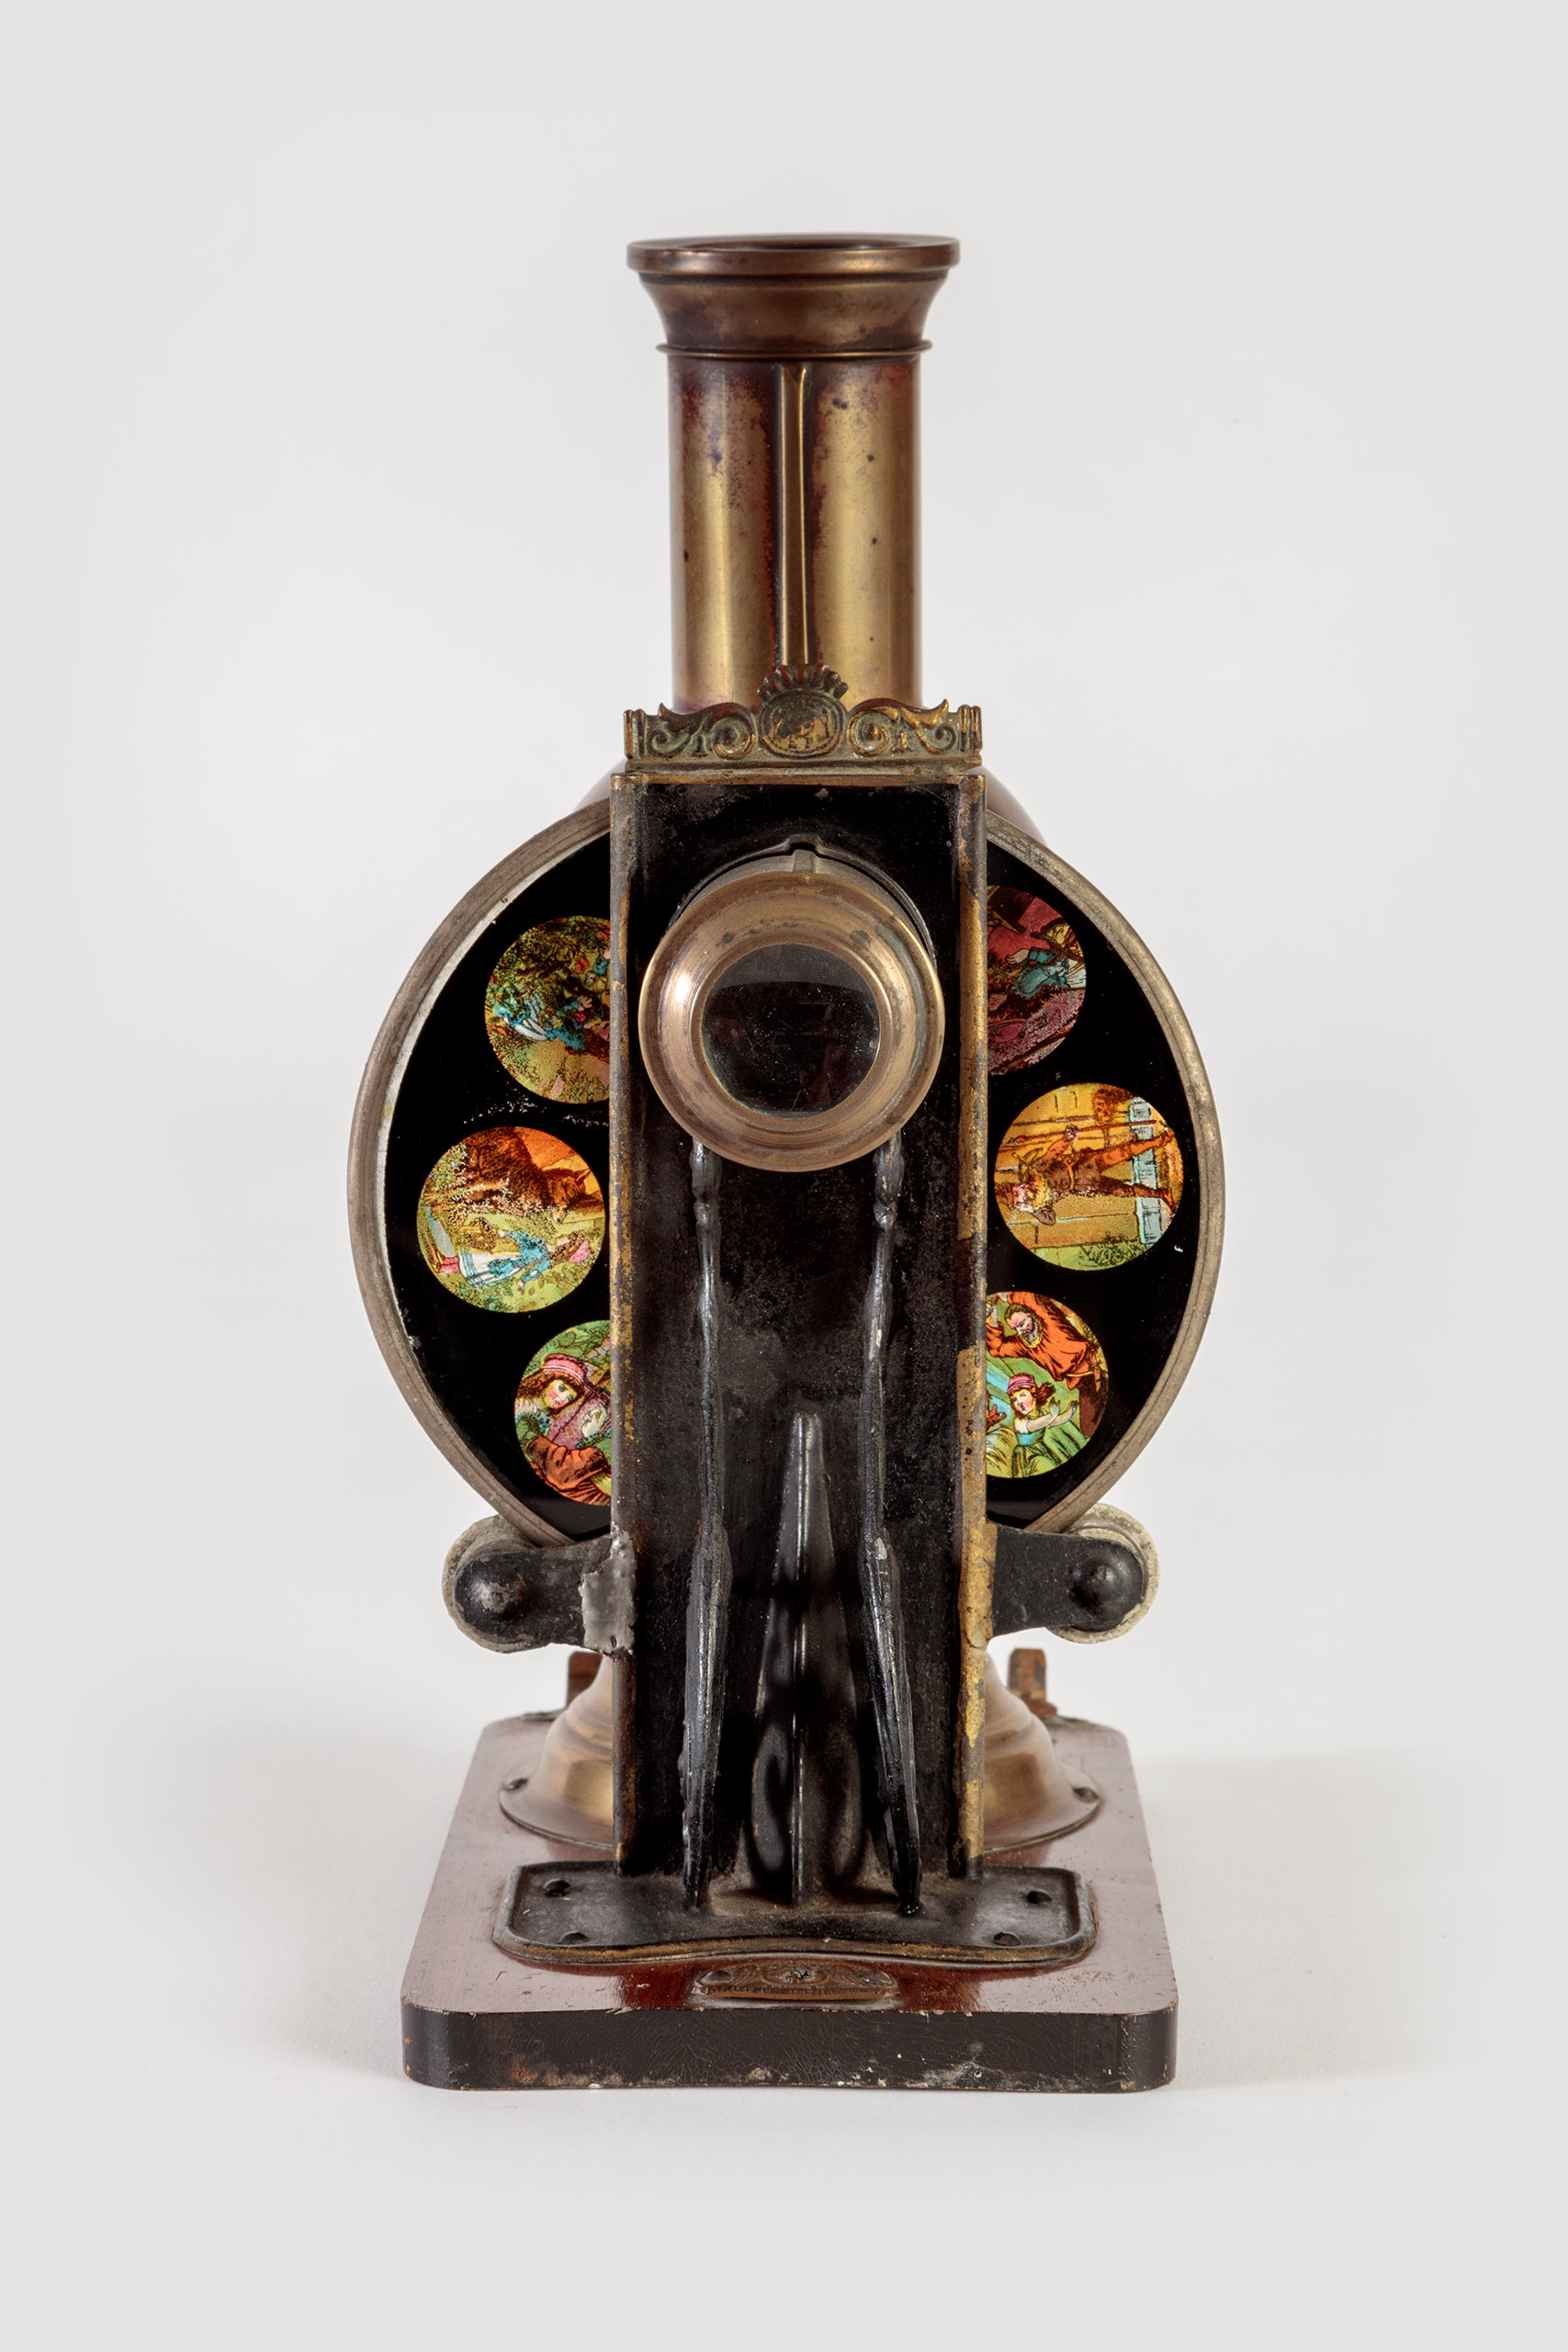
{"x":1082,"y":1585}
{"x":576,"y":1914}
{"x":508,"y":1595}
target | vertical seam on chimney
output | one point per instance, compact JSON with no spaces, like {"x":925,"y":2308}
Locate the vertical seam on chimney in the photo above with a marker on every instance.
{"x":793,"y":569}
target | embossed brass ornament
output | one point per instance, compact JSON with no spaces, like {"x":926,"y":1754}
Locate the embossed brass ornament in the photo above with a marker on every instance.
{"x":800,"y":716}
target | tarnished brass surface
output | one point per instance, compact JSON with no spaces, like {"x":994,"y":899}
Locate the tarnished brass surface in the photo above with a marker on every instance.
{"x":1027,"y":1794}
{"x":813,"y":1983}
{"x":724,"y":539}
{"x":864,"y":505}
{"x":1026,"y":1681}
{"x":795,"y":900}
{"x":794,"y":455}
{"x":803,"y":296}
{"x":801,"y":715}
{"x":570,"y":1792}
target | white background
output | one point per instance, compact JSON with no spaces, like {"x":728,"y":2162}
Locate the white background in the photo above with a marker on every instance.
{"x":336,"y":544}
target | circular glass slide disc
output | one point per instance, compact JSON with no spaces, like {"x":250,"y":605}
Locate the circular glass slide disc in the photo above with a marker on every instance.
{"x":510,"y":1218}
{"x":1089,"y":1176}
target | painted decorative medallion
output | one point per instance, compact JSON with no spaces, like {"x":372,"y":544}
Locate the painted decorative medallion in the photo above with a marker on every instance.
{"x":1034,"y":978}
{"x":547,"y":1009}
{"x":510,"y":1218}
{"x":1089,"y":1176}
{"x":1045,"y":1385}
{"x":563,"y":1413}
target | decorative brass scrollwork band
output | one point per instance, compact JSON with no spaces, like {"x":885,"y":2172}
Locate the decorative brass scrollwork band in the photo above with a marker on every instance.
{"x":801,"y":715}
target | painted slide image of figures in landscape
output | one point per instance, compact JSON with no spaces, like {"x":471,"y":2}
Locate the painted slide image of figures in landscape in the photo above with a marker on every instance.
{"x":563,"y":1413}
{"x":1045,"y":1385}
{"x":1089,"y":1176}
{"x":510,"y":1218}
{"x":547,"y":1009}
{"x":1034,"y":978}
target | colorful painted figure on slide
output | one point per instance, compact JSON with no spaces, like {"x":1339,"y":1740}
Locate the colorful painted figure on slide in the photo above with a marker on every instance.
{"x":1089,"y":1176}
{"x":510,"y":1218}
{"x":547,"y":1009}
{"x":1046,"y":1384}
{"x":563,"y":1413}
{"x":1034,"y":978}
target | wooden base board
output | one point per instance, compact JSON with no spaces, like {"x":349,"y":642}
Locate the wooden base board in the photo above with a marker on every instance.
{"x":476,"y":2019}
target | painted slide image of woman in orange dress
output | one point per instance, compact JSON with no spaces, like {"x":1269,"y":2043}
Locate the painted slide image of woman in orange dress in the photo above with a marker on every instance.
{"x":563,"y":1413}
{"x":1089,"y":1176}
{"x":1034,"y":978}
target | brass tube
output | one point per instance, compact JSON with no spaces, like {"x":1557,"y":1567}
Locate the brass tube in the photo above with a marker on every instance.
{"x":723,"y":529}
{"x":794,"y":456}
{"x":864,"y":529}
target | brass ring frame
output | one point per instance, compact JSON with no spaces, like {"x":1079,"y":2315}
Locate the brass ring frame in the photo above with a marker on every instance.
{"x":446,"y":950}
{"x":798,"y":898}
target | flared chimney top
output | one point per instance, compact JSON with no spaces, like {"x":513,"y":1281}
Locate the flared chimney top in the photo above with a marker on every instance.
{"x":794,"y":296}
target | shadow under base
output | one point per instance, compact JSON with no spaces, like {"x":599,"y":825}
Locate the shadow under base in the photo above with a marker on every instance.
{"x":475,"y":2019}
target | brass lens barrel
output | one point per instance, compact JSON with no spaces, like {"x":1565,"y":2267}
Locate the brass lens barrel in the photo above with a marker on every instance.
{"x":791,"y":1016}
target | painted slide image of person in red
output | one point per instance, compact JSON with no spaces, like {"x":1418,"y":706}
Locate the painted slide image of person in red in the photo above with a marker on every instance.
{"x":1034,"y":978}
{"x":1027,"y":1333}
{"x":1089,"y":1176}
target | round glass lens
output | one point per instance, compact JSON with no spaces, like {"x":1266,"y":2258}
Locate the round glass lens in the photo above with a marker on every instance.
{"x":790,"y":1031}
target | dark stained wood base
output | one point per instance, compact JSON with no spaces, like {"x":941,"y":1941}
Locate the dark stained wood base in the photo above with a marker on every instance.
{"x":476,"y":2019}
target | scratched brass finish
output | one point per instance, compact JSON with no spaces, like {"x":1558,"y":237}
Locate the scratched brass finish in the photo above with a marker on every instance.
{"x":724,"y":586}
{"x":794,"y":456}
{"x":865,"y":504}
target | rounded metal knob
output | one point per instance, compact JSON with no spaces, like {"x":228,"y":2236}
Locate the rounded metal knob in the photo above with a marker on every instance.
{"x":1107,"y":1589}
{"x":490,"y":1598}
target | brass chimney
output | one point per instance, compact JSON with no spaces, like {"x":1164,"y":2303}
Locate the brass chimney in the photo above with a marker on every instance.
{"x":794,"y":456}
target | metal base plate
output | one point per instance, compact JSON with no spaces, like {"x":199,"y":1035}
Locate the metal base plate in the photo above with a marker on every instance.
{"x":477,"y":2018}
{"x":566,"y":1918}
